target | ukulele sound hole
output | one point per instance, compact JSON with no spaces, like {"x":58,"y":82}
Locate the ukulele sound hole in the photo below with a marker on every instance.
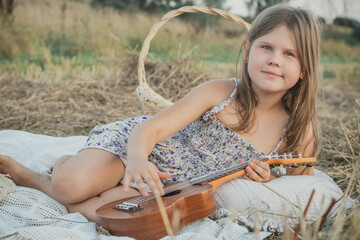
{"x":172,"y":193}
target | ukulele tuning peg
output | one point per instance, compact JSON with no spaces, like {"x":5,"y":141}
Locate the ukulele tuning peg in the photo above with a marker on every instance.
{"x":309,"y":164}
{"x":290,"y":155}
{"x":294,"y":165}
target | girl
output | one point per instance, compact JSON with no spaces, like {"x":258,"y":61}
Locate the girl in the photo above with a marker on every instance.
{"x":270,"y":109}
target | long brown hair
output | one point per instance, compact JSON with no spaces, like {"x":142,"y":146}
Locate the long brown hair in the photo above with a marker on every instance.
{"x":298,"y":101}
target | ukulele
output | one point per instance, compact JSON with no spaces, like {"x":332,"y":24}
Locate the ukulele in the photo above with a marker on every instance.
{"x":140,"y":218}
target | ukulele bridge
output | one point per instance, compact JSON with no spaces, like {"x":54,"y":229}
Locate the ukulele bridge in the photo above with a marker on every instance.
{"x":127,"y":206}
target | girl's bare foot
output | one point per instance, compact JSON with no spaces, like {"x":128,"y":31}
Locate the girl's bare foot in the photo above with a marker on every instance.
{"x":25,"y":177}
{"x":10,"y":168}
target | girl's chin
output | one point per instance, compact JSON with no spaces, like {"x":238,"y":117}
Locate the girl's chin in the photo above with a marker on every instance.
{"x":269,"y":88}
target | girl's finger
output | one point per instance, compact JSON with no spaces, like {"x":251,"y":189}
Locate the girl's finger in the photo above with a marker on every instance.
{"x":158,"y":183}
{"x":163,"y":175}
{"x":260,"y":164}
{"x":246,"y":177}
{"x":256,"y":168}
{"x":253,"y":174}
{"x":140,"y":184}
{"x":126,"y":183}
{"x":152,"y":184}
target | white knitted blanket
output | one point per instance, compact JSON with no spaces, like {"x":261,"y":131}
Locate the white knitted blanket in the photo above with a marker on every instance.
{"x":29,"y":214}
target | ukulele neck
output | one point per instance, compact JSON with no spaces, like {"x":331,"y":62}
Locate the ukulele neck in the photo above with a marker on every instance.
{"x":227,"y":174}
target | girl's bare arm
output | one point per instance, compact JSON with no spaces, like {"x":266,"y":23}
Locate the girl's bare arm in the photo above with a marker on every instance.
{"x":164,"y":124}
{"x":306,"y":150}
{"x":260,"y":171}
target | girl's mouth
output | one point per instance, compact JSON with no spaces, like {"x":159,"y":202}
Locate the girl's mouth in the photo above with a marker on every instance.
{"x":271,"y":74}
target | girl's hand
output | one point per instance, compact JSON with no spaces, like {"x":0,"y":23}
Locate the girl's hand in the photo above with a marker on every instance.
{"x":258,"y":171}
{"x":143,"y":170}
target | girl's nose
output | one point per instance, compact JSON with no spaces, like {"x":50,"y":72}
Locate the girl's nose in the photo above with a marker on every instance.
{"x":274,"y":59}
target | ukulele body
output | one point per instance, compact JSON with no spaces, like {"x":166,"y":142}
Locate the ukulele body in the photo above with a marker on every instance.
{"x":192,"y":203}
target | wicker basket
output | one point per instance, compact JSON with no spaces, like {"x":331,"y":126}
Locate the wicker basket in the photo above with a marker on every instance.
{"x":151,"y":101}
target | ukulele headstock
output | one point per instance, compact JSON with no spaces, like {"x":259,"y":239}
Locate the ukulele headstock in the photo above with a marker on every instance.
{"x":288,"y":160}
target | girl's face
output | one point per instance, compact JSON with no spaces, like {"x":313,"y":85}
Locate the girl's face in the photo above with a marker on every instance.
{"x":273,"y":62}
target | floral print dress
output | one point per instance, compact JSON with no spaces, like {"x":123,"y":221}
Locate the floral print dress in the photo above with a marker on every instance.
{"x":200,"y":148}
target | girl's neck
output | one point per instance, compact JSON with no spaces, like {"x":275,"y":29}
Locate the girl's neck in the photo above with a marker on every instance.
{"x":269,"y":102}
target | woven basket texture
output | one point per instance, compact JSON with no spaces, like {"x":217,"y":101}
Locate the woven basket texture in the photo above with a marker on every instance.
{"x":151,"y":101}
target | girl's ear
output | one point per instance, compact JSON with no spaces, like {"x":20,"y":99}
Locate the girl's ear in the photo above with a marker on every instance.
{"x":302,"y":74}
{"x":246,"y":45}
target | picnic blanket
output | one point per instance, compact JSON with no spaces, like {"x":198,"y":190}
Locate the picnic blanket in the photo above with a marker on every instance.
{"x":246,"y":209}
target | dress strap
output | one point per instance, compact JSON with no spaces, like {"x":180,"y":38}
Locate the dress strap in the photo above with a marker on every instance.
{"x":224,"y":103}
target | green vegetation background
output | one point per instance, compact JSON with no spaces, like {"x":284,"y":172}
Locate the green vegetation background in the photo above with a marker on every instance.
{"x":66,"y":40}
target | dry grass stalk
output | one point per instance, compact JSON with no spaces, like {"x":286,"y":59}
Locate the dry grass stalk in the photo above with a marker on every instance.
{"x":325,"y":215}
{"x":10,"y":235}
{"x":287,"y":200}
{"x":176,"y":219}
{"x":164,"y":216}
{"x":298,"y":228}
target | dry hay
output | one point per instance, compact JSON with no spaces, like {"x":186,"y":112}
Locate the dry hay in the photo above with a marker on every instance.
{"x":339,"y":117}
{"x":61,"y":109}
{"x":74,"y":108}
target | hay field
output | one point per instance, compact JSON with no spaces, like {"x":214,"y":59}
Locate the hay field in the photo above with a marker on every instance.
{"x":65,"y":68}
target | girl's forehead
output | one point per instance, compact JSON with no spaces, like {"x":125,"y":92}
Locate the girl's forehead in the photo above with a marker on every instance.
{"x":280,"y":35}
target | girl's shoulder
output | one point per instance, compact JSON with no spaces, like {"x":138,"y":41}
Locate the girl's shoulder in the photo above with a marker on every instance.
{"x":193,"y":105}
{"x":223,"y":83}
{"x":219,"y":89}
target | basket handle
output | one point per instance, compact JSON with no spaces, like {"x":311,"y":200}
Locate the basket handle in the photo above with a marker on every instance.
{"x":148,"y":97}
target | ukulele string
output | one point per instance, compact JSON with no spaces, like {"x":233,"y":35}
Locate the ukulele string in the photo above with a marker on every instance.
{"x":176,"y":186}
{"x":142,"y":199}
{"x":202,"y":179}
{"x":208,"y":177}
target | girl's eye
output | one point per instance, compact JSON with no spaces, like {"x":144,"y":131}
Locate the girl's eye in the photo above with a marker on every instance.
{"x":267,"y":48}
{"x":289,"y":54}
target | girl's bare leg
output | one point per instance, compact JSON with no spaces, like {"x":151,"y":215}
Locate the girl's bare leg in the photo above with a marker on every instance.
{"x":88,"y":207}
{"x":74,"y":178}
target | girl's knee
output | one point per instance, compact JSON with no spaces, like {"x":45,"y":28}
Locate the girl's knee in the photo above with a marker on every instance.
{"x":61,"y":160}
{"x":69,"y":188}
